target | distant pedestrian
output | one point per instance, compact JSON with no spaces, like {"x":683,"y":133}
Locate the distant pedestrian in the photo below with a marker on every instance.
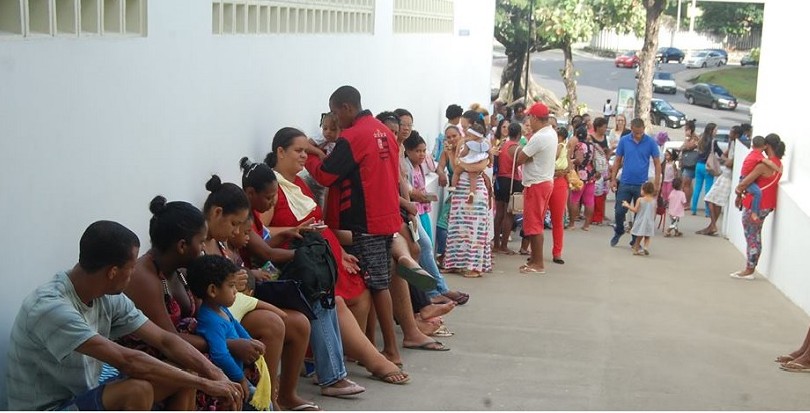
{"x":608,"y":111}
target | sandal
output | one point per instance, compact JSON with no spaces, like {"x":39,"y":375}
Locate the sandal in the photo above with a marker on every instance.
{"x":524,"y":252}
{"x":525,"y":269}
{"x":390,"y":377}
{"x":471,"y":274}
{"x":442,"y":331}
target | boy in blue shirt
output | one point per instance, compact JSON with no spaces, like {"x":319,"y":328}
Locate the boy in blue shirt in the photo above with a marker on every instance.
{"x":212,"y":279}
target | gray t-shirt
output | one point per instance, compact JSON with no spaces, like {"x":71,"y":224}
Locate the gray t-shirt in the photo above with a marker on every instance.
{"x":44,"y":370}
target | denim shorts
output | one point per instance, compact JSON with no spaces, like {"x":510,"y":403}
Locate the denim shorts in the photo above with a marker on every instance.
{"x":91,"y":399}
{"x":689,"y":173}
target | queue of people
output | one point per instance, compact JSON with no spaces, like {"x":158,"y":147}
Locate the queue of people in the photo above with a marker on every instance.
{"x":330,"y":238}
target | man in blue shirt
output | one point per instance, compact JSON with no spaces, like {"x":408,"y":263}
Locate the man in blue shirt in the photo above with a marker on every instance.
{"x":633,"y":158}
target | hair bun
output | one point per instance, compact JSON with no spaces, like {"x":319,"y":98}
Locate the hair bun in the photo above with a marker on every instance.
{"x":244,"y":163}
{"x":271,"y":159}
{"x":157,"y":205}
{"x":213,"y":184}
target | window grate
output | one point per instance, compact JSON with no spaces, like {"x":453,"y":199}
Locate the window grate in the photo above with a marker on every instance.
{"x":292,"y":17}
{"x":44,"y":18}
{"x":423,"y":16}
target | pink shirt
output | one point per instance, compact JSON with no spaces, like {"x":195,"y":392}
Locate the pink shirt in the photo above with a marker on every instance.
{"x":676,"y":200}
{"x":669,"y":172}
{"x":419,"y":183}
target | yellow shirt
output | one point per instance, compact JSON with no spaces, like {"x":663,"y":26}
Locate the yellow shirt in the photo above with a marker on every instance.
{"x":562,"y":160}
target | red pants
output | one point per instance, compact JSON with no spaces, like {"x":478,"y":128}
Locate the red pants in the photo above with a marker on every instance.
{"x":599,"y":209}
{"x":557,"y":204}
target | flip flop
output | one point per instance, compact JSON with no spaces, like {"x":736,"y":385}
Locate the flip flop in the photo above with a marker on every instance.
{"x":417,"y":277}
{"x":429,"y":346}
{"x":305,"y":407}
{"x":524,"y":252}
{"x":442,"y":331}
{"x":525,"y":269}
{"x":389,"y":378}
{"x":795,"y":367}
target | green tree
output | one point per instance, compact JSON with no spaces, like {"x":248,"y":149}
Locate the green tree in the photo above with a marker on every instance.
{"x":730,"y":18}
{"x":561,"y":23}
{"x":723,"y":18}
{"x":654,"y":9}
{"x":512,"y":30}
{"x":558,"y":25}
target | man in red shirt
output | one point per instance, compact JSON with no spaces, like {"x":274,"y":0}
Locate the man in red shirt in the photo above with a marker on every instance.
{"x":362,"y":173}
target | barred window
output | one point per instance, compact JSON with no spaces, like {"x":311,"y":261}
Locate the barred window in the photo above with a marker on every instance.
{"x":299,"y":17}
{"x":43,"y":18}
{"x":423,"y":16}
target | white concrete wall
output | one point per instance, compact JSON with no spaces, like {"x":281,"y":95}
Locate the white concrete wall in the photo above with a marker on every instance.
{"x":94,"y":128}
{"x":781,"y":93}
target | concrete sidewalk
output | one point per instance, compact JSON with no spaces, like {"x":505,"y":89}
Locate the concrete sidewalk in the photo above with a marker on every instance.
{"x":607,"y":331}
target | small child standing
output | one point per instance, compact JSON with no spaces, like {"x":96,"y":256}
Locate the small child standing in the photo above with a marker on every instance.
{"x":676,"y":203}
{"x":212,"y":279}
{"x":644,"y":218}
{"x":670,"y":170}
{"x":751,"y":160}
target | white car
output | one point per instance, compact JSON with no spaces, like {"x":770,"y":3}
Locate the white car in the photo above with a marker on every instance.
{"x":664,"y":82}
{"x":704,"y":58}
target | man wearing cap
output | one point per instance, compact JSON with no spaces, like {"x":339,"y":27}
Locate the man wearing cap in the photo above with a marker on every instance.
{"x":537,"y":158}
{"x":633,"y":158}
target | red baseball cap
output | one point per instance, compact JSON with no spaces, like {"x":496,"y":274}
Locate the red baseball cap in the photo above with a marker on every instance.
{"x":538,"y":110}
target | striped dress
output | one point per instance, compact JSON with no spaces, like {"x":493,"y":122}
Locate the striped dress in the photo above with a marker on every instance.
{"x":468,"y":236}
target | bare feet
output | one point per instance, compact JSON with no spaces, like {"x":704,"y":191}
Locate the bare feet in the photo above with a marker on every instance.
{"x":506,"y":251}
{"x":436,"y":310}
{"x":428,"y":327}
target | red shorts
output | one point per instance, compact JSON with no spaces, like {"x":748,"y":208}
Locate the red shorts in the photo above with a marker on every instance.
{"x":535,"y":204}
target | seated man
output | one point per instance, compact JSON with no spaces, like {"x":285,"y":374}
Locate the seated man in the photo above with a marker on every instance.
{"x":62,"y":334}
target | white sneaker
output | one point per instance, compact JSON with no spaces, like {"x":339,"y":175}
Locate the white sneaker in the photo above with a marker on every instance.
{"x":739,"y":276}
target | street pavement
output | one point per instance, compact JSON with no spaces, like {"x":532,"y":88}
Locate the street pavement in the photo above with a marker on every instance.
{"x":607,"y":331}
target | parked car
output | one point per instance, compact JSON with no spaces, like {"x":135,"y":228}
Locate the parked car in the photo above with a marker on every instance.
{"x":723,"y":54}
{"x":709,"y":94}
{"x":627,"y":59}
{"x":664,"y":82}
{"x":749,"y":60}
{"x":668,"y":54}
{"x":704,"y":58}
{"x":664,"y":114}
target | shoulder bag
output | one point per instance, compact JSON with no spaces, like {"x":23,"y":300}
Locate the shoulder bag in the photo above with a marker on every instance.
{"x":689,"y":158}
{"x":515,"y":205}
{"x":713,"y":162}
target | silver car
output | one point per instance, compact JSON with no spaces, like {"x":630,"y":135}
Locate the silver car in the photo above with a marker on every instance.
{"x":704,"y":58}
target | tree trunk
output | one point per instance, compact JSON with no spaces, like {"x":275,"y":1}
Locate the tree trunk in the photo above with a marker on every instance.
{"x":513,"y":74}
{"x":647,"y":59}
{"x":512,"y":83}
{"x":570,"y":100}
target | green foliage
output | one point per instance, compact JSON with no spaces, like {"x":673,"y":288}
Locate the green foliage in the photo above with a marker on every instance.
{"x":755,"y":53}
{"x":561,"y":22}
{"x":722,"y":18}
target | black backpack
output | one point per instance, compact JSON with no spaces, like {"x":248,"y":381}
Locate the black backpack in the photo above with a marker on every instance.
{"x":314,"y":267}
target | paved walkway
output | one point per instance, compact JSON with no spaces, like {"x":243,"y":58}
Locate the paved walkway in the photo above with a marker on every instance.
{"x":607,"y":331}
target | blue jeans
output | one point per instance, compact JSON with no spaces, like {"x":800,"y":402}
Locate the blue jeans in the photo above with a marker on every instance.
{"x":625,"y":192}
{"x":424,"y":222}
{"x":703,"y":181}
{"x":441,"y":240}
{"x":326,"y":345}
{"x":428,"y":262}
{"x":754,"y":190}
